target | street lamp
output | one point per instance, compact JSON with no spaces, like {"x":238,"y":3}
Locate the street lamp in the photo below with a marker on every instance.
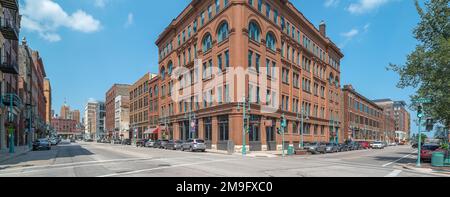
{"x":245,"y":104}
{"x":303,"y":116}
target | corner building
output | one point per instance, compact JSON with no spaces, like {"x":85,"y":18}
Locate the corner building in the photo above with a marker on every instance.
{"x":264,"y":51}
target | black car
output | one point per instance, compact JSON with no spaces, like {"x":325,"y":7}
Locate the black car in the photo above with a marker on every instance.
{"x":163,"y":144}
{"x":157,"y":144}
{"x":126,"y":142}
{"x":140,"y":143}
{"x":170,"y":145}
{"x":41,"y":144}
{"x":343,"y":147}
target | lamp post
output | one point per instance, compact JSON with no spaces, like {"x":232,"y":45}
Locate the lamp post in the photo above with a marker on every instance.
{"x":302,"y":116}
{"x":245,"y":104}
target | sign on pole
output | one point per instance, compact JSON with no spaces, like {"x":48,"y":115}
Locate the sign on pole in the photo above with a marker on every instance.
{"x":422,"y":100}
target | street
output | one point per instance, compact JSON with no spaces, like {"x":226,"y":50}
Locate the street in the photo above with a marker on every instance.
{"x":106,"y":160}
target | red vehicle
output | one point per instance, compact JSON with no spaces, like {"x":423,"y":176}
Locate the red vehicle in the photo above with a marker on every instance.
{"x":365,"y":145}
{"x":427,"y":151}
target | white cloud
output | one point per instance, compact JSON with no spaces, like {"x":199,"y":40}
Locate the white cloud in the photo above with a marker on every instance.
{"x":364,"y":6}
{"x":130,"y":20}
{"x":100,"y":3}
{"x":366,"y":27}
{"x":46,"y":17}
{"x":352,"y":33}
{"x":331,"y":3}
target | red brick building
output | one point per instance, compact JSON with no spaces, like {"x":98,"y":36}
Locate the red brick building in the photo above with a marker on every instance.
{"x":66,"y":128}
{"x":363,"y":119}
{"x":110,"y":109}
{"x":215,"y":53}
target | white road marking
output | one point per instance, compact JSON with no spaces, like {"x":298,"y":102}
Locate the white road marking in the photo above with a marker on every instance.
{"x":390,"y":163}
{"x":80,"y":164}
{"x":166,"y":167}
{"x":394,"y":173}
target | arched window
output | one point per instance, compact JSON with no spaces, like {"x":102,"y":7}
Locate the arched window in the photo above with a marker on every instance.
{"x":254,"y":31}
{"x":207,"y":42}
{"x":163,"y":73}
{"x":170,"y":68}
{"x":222,"y":32}
{"x":270,"y":41}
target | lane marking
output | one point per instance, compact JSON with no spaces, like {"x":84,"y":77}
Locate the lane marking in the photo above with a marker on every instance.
{"x":390,"y":163}
{"x":394,"y":173}
{"x":87,"y":164}
{"x":165,"y":167}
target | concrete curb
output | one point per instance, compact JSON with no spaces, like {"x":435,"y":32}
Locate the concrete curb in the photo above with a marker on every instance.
{"x":426,"y":170}
{"x":9,"y":157}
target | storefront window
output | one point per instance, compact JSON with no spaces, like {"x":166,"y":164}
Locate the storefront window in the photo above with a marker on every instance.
{"x":223,"y":128}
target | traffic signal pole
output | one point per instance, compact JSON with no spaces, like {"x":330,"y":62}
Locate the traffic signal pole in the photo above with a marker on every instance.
{"x":419,"y":145}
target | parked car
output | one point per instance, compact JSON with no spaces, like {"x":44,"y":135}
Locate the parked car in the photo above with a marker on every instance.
{"x":343,"y":147}
{"x":353,"y":146}
{"x":41,"y":144}
{"x":126,"y":142}
{"x":427,"y":151}
{"x":194,"y":145}
{"x":377,"y":145}
{"x":88,"y":140}
{"x":53,"y":142}
{"x":157,"y":144}
{"x":72,"y":140}
{"x":316,"y":148}
{"x":364,"y":145}
{"x":150,"y":143}
{"x":117,"y":141}
{"x":140,"y":143}
{"x":393,"y":144}
{"x":332,"y":148}
{"x":178,"y":144}
{"x":163,"y":144}
{"x":170,"y":145}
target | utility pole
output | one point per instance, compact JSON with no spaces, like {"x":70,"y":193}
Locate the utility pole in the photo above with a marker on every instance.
{"x":245,"y":104}
{"x":283,"y":127}
{"x":419,"y":145}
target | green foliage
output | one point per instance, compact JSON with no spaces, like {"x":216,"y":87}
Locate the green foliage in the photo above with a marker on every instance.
{"x":428,"y":67}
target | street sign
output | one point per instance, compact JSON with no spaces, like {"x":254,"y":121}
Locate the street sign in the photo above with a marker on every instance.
{"x":422,"y":100}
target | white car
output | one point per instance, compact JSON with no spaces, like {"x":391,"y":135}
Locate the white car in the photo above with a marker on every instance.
{"x":377,"y":145}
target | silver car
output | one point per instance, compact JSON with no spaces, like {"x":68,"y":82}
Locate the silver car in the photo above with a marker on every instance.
{"x":194,"y":145}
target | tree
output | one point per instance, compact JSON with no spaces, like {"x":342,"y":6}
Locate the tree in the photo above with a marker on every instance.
{"x":428,"y":67}
{"x":424,"y":138}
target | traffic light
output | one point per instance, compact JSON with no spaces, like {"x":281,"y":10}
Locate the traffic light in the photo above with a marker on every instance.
{"x":420,"y":111}
{"x":429,"y":124}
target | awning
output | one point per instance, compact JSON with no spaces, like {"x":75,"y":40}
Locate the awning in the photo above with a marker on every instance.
{"x":152,"y":131}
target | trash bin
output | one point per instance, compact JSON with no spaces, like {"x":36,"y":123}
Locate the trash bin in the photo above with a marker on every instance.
{"x":437,"y":159}
{"x":291,"y":150}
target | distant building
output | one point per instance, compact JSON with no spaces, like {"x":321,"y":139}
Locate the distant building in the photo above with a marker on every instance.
{"x":66,"y":128}
{"x":397,"y":111}
{"x":122,"y":117}
{"x":94,"y":120}
{"x":117,"y":90}
{"x":363,"y":119}
{"x":48,"y":99}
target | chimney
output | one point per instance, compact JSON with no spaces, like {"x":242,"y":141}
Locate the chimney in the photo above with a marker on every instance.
{"x":323,"y":28}
{"x":24,"y":41}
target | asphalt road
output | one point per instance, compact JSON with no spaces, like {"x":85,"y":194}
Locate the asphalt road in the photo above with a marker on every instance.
{"x":106,"y":160}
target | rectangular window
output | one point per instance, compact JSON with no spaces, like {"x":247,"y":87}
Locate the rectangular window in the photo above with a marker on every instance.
{"x":219,"y":62}
{"x":227,"y":59}
{"x":250,"y":56}
{"x":203,"y":18}
{"x":258,"y":57}
{"x":275,"y":16}
{"x":217,"y":6}
{"x":195,"y":25}
{"x":267,"y":10}
{"x":209,"y":13}
{"x":260,"y":5}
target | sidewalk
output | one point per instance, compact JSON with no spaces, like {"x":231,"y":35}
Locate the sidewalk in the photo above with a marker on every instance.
{"x":19,"y":150}
{"x":427,"y":168}
{"x":268,"y":154}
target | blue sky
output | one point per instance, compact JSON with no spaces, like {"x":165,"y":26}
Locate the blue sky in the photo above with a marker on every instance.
{"x":88,"y":45}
